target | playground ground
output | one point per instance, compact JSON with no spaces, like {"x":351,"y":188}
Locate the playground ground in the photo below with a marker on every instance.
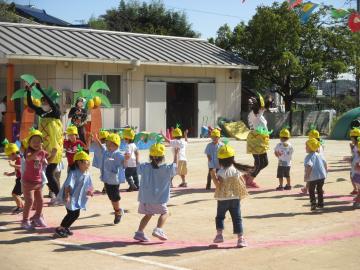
{"x":281,"y":231}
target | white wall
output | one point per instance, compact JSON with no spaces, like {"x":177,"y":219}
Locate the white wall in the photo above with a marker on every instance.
{"x":70,"y":77}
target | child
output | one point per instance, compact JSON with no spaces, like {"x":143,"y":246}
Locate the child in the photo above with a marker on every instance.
{"x":71,"y":145}
{"x":211,"y":153}
{"x":75,"y":192}
{"x":13,"y":153}
{"x":314,"y":134}
{"x":131,"y":152}
{"x":283,"y":151}
{"x":111,"y":166}
{"x":154,"y":192}
{"x":315,"y":173}
{"x":97,"y":160}
{"x":179,"y":143}
{"x":35,"y":157}
{"x":354,"y":135}
{"x":230,"y":189}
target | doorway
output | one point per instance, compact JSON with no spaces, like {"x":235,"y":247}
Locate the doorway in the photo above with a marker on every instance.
{"x":182,"y":106}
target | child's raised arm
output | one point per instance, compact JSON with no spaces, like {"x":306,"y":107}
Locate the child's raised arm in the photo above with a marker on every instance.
{"x":185,"y":135}
{"x":165,"y":138}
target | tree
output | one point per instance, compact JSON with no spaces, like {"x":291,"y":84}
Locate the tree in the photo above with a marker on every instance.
{"x":290,"y":55}
{"x":7,"y":12}
{"x":152,"y":18}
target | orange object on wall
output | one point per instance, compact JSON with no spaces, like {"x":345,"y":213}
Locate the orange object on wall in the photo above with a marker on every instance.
{"x":27,"y":121}
{"x":96,"y":120}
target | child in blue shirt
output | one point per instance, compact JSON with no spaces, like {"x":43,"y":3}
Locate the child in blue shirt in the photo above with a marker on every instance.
{"x":315,"y":173}
{"x":112,"y":172}
{"x":74,"y":193}
{"x":211,"y":153}
{"x":154,"y":192}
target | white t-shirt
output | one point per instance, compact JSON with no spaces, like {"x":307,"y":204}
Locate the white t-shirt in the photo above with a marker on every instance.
{"x":228,"y":172}
{"x":257,"y":120}
{"x":285,"y":154}
{"x":2,"y":110}
{"x":131,"y":149}
{"x":181,"y":144}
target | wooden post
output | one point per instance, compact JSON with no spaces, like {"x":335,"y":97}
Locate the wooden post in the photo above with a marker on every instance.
{"x":10,"y":115}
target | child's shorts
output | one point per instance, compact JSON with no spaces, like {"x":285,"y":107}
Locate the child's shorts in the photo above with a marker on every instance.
{"x":152,"y":209}
{"x":181,"y":167}
{"x":283,"y":171}
{"x":113,"y":192}
{"x":17,"y":188}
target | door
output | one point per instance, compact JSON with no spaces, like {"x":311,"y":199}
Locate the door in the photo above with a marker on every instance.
{"x":206,"y":105}
{"x":155,"y":106}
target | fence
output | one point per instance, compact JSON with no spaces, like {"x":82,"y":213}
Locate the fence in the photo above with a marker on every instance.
{"x":301,"y":121}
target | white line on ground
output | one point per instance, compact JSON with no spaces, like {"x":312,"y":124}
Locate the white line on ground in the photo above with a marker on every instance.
{"x":113,"y":254}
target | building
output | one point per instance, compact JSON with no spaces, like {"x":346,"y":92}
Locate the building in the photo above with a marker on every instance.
{"x":155,"y":81}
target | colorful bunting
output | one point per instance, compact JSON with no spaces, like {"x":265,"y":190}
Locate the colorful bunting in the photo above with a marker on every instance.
{"x":339,"y":13}
{"x":354,"y":22}
{"x":306,"y":11}
{"x":294,"y":3}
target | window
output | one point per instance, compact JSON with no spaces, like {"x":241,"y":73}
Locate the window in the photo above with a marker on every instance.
{"x":114,"y":83}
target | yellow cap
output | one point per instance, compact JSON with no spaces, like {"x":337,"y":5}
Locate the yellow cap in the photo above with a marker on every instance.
{"x":114,"y":138}
{"x":284,"y":133}
{"x":11,"y":148}
{"x":355,"y":132}
{"x":72,"y":130}
{"x":215,"y":133}
{"x":34,"y":132}
{"x":313,"y":144}
{"x":225,"y":151}
{"x":103,"y":134}
{"x":176,"y":132}
{"x":81,"y":155}
{"x":157,"y":150}
{"x":129,"y":133}
{"x":314,"y":134}
{"x":262,"y":102}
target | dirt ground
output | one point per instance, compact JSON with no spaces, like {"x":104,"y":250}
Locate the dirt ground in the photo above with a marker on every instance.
{"x":281,"y":231}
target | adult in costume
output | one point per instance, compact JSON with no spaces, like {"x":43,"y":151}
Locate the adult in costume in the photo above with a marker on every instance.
{"x":78,"y":116}
{"x":258,"y":138}
{"x":51,"y":127}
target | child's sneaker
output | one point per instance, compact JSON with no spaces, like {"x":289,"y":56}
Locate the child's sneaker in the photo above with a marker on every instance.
{"x":183,"y":185}
{"x":26,"y":224}
{"x":218,"y":238}
{"x":354,"y":192}
{"x":159,"y":233}
{"x":279,"y":188}
{"x":61,"y":233}
{"x":287,"y":187}
{"x":140,"y":236}
{"x":241,"y":242}
{"x":38,"y":222}
{"x":320,"y":205}
{"x":118,"y":216}
{"x":17,"y":210}
{"x":68,"y":231}
{"x":313,"y":207}
{"x":304,"y":190}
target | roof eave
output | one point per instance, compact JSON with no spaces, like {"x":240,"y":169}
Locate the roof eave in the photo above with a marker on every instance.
{"x":118,"y":61}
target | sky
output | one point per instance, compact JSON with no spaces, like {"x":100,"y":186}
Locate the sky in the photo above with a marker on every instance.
{"x":206,"y":16}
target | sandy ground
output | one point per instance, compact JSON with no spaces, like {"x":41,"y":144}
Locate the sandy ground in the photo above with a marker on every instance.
{"x":281,"y":231}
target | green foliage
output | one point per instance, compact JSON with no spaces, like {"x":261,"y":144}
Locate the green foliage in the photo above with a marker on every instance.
{"x":149,"y":18}
{"x":291,"y":56}
{"x":93,"y":92}
{"x":7,"y":12}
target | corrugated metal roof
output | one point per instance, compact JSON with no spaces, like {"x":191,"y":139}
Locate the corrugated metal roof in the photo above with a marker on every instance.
{"x":25,"y":41}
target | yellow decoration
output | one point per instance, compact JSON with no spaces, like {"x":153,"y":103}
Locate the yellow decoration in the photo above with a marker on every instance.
{"x":157,"y":150}
{"x":97,"y":101}
{"x":37,"y":102}
{"x":81,"y":155}
{"x":313,"y":144}
{"x":11,"y":148}
{"x":34,"y":132}
{"x":114,"y":138}
{"x":215,"y":133}
{"x":128,"y":133}
{"x":285,"y":133}
{"x":72,"y":130}
{"x":355,"y":132}
{"x":225,"y":151}
{"x":262,"y":102}
{"x":103,"y":134}
{"x":257,"y":143}
{"x":314,"y":134}
{"x":90,"y":104}
{"x":176,"y":132}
